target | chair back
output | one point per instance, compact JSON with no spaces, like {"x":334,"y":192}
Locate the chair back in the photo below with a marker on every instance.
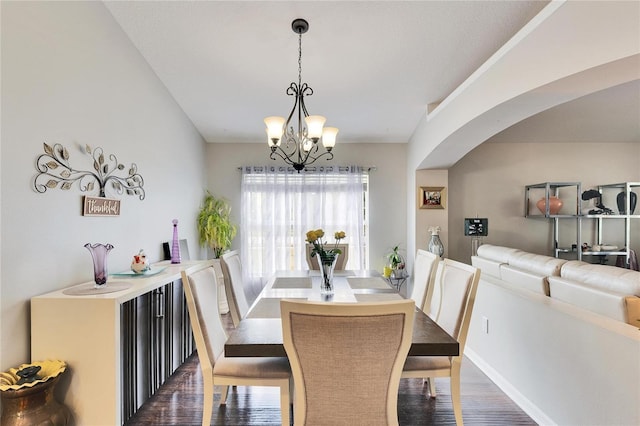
{"x":346,"y":359}
{"x":234,"y":286}
{"x":201,"y":294}
{"x":341,"y":263}
{"x":424,"y":272}
{"x":454,"y":294}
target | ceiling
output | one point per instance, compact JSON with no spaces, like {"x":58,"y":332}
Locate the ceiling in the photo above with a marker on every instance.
{"x":374,"y":65}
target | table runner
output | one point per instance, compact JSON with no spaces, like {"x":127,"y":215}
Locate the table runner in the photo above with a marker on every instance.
{"x":340,"y":273}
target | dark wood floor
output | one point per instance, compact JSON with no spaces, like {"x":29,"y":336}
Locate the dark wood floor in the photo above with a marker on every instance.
{"x":179,"y":402}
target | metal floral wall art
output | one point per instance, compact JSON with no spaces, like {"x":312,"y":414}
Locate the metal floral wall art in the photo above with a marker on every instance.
{"x":54,"y":171}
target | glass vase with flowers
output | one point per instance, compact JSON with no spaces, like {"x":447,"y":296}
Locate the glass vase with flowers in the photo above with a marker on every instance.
{"x":327,"y":257}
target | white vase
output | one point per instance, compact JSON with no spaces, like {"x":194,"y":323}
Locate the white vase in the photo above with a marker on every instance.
{"x":435,"y":245}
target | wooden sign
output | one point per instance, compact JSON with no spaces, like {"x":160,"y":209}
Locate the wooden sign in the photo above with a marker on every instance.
{"x":100,"y":206}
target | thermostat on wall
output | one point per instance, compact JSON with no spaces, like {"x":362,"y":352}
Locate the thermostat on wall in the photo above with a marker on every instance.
{"x":476,"y":227}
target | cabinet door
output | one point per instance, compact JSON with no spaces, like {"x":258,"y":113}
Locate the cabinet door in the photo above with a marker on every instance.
{"x":156,"y":338}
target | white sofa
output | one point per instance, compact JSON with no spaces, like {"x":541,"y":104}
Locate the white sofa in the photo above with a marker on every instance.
{"x":560,"y":337}
{"x":606,"y":290}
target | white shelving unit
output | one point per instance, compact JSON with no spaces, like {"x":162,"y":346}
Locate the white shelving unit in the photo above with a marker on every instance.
{"x":571,"y":192}
{"x":571,"y":210}
{"x":609,"y":194}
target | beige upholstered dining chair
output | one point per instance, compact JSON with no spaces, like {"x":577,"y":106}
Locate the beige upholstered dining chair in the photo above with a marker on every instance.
{"x":346,"y":359}
{"x":424,"y":273}
{"x":451,"y":307}
{"x":234,"y":286}
{"x":341,"y":263}
{"x":202,"y":300}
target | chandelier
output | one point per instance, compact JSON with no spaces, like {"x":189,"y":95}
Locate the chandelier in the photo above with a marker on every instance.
{"x":300,"y":147}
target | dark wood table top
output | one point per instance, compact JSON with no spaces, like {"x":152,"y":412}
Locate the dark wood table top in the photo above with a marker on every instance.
{"x":260,"y":332}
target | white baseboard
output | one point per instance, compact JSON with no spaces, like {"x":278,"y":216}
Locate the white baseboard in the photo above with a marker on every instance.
{"x":527,"y":406}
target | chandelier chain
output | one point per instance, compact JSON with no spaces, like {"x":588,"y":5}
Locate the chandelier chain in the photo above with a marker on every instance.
{"x":300,"y":60}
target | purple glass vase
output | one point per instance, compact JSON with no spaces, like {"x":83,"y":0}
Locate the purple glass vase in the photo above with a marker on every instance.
{"x":175,"y":246}
{"x":99,"y":254}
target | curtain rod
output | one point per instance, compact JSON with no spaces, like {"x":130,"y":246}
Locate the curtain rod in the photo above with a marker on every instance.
{"x":314,"y":168}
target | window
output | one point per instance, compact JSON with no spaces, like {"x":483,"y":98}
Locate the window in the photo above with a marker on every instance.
{"x":280,"y":205}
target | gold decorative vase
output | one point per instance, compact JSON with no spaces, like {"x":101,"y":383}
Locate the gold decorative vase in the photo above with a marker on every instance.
{"x":31,"y":401}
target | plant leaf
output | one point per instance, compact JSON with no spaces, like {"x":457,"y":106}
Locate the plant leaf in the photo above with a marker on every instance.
{"x":52,"y":183}
{"x":88,"y":149}
{"x":66,"y":186}
{"x":65,"y":153}
{"x":65,"y":174}
{"x":52,"y":164}
{"x":48,"y":149}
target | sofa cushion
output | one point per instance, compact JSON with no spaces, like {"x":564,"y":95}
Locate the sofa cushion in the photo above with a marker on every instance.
{"x":487,"y":266}
{"x":525,"y":279}
{"x":496,"y":253}
{"x":604,"y":277}
{"x":600,"y":301}
{"x":536,"y":263}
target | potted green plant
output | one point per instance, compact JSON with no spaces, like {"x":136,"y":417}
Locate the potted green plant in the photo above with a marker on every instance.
{"x":396,"y":262}
{"x":214,"y":224}
{"x":395,"y":258}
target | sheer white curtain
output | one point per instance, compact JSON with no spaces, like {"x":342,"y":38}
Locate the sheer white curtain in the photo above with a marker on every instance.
{"x":280,"y":205}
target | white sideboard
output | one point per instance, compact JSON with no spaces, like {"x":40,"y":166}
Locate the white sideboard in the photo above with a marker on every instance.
{"x":86,"y":332}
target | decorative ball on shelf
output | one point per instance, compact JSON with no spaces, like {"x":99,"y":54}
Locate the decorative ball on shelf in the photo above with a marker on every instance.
{"x":555,"y":204}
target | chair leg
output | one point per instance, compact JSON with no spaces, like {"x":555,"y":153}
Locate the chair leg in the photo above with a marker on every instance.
{"x":207,"y":409}
{"x":431,"y":381}
{"x":455,"y":396}
{"x":285,"y":393}
{"x":224,"y":392}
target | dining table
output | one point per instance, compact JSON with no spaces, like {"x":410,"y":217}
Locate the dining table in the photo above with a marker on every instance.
{"x":259,"y":333}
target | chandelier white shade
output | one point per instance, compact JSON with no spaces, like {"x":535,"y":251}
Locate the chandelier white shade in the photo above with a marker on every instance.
{"x":300,"y":147}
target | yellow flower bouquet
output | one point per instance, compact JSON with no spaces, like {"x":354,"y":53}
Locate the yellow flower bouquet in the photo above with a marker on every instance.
{"x":314,"y":237}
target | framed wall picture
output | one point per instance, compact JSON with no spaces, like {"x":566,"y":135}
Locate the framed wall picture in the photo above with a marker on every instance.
{"x":432,"y":197}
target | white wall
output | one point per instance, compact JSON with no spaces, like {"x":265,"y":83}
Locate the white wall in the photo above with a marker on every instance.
{"x":387,"y":197}
{"x":529,"y":74}
{"x":561,"y":364}
{"x":490,"y":182}
{"x":70,"y":76}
